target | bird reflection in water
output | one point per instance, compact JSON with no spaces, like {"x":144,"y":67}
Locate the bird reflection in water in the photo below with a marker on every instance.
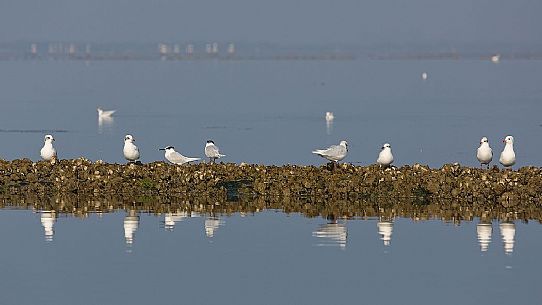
{"x":48,"y":219}
{"x":508,"y":232}
{"x":484,"y":230}
{"x":385,"y":229}
{"x":212,"y":224}
{"x":170,"y":219}
{"x":131,"y":223}
{"x":332,"y":233}
{"x":105,"y":123}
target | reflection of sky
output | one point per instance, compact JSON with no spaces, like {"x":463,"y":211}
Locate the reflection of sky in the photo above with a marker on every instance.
{"x":268,"y":254}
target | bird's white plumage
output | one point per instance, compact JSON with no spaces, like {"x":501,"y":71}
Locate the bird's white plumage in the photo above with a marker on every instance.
{"x":329,"y":116}
{"x":484,"y":154}
{"x":48,"y":152}
{"x":212,"y":151}
{"x":333,"y":153}
{"x":385,"y":157}
{"x":508,"y":156}
{"x":176,"y":158}
{"x":105,"y":113}
{"x":130,"y":150}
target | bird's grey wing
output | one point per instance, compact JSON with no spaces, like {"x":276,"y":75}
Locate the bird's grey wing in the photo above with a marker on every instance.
{"x":211,"y":151}
{"x":176,"y":157}
{"x":334,"y":150}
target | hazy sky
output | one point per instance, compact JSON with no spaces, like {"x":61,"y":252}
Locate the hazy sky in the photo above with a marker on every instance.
{"x":284,"y":21}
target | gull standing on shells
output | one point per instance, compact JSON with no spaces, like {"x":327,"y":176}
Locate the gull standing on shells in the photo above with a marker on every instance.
{"x":48,"y":152}
{"x":175,"y":157}
{"x":212,"y":152}
{"x":105,"y":113}
{"x":385,"y":157}
{"x":131,"y":152}
{"x":333,"y":153}
{"x":484,"y":153}
{"x":508,"y":156}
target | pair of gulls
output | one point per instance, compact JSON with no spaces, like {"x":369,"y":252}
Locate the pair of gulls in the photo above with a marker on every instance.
{"x":485,"y":153}
{"x":131,"y":152}
{"x":336,"y":153}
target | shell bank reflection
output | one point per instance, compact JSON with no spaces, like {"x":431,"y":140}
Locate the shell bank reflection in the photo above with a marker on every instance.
{"x":332,"y":233}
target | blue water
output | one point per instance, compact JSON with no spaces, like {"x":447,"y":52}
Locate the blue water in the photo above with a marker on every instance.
{"x":272,"y":112}
{"x":263,"y":258}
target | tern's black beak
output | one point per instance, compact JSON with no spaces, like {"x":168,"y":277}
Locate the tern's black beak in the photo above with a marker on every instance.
{"x":161,"y":149}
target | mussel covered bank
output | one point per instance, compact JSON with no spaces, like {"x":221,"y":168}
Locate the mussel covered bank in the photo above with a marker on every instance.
{"x":452,"y":191}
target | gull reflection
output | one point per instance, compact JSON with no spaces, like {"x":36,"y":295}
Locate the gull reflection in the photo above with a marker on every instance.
{"x":131,"y":223}
{"x":105,"y":122}
{"x":211,"y":225}
{"x":484,"y":230}
{"x":329,"y":127}
{"x":331,"y":234}
{"x":508,"y":232}
{"x":170,"y":219}
{"x":48,"y":219}
{"x":385,"y":229}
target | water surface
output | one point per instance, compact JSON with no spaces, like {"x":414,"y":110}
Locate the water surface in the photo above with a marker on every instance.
{"x":272,"y":112}
{"x":268,"y":257}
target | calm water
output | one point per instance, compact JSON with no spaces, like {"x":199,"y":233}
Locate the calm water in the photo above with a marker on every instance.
{"x":272,"y":111}
{"x":264,"y":258}
{"x":268,"y":112}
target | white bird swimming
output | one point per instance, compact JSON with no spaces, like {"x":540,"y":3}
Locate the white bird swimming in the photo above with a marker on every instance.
{"x":333,"y":153}
{"x":484,"y":153}
{"x":329,"y":116}
{"x":105,"y":113}
{"x":385,"y":157}
{"x":131,"y":152}
{"x":508,"y":156}
{"x":48,"y":152}
{"x":175,"y":157}
{"x":424,"y":76}
{"x":212,"y":152}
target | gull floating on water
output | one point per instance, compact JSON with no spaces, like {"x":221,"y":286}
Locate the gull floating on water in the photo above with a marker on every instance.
{"x":105,"y":113}
{"x":175,"y":157}
{"x":424,"y":76}
{"x":131,"y":152}
{"x":212,"y":152}
{"x":48,"y":152}
{"x":385,"y":157}
{"x":333,"y":153}
{"x":484,"y":153}
{"x":329,"y":116}
{"x":496,"y":58}
{"x":508,"y":156}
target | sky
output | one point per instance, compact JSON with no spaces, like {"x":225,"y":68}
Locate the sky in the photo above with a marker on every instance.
{"x":363,"y":22}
